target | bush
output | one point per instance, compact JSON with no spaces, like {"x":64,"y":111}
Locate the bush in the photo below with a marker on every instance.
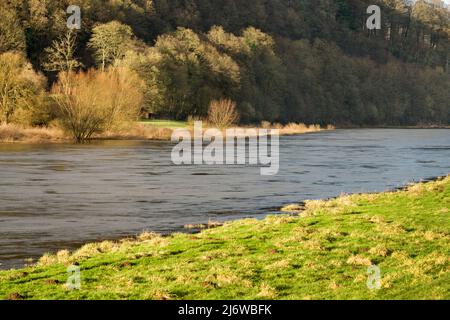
{"x":222,"y":113}
{"x":93,"y":102}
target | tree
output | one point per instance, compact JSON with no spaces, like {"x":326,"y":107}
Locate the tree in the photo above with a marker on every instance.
{"x":222,"y":113}
{"x":12,"y":35}
{"x":20,"y":85}
{"x":193,"y":72}
{"x":146,"y":64}
{"x":93,"y":102}
{"x":110,"y":41}
{"x":61,"y":55}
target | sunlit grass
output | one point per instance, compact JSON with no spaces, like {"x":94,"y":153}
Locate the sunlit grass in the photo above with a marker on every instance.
{"x":323,"y":252}
{"x":141,"y":130}
{"x":15,"y":133}
{"x":170,"y":124}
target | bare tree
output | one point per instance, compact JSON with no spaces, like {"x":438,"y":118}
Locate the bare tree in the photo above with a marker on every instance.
{"x":61,"y":55}
{"x":93,"y":102}
{"x":223,"y":113}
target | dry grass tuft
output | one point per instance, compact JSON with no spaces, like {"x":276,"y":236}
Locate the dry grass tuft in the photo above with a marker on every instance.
{"x":377,"y":219}
{"x":419,"y":189}
{"x":380,"y":251}
{"x":47,"y":260}
{"x":159,"y":242}
{"x":444,"y":210}
{"x":387,"y":280}
{"x":431,"y":235}
{"x":63,"y":256}
{"x":358,"y":260}
{"x":15,"y":296}
{"x":266,"y":291}
{"x":293,"y":208}
{"x":146,"y":236}
{"x":161,"y":295}
{"x":313,"y":244}
{"x":341,"y":205}
{"x":334,"y":285}
{"x":390,"y":228}
{"x":403,"y":258}
{"x":220,"y":277}
{"x":435,"y":259}
{"x":280,"y":264}
{"x":277,"y":220}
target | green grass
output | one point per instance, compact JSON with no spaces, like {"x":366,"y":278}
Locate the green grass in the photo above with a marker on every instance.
{"x":165,"y":124}
{"x":322,"y":254}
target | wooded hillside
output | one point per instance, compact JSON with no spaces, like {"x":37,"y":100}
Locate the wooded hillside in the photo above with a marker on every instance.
{"x":280,"y":60}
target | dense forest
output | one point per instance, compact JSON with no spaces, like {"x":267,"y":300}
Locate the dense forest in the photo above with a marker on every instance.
{"x":311,"y":61}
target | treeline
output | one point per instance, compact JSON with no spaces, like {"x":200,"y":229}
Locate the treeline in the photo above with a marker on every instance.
{"x":280,"y":60}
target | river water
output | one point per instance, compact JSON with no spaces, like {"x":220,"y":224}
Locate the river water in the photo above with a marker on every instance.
{"x":60,"y":196}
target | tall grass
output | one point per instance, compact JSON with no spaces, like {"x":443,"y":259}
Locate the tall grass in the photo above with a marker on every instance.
{"x":131,"y":131}
{"x":295,"y":128}
{"x":138,"y":131}
{"x":17,"y":133}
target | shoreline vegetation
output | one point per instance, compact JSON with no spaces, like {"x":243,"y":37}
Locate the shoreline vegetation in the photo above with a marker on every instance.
{"x":322,"y":249}
{"x":419,"y":126}
{"x":145,"y":130}
{"x":158,"y":130}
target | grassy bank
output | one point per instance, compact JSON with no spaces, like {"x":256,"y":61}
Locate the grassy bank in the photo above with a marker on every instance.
{"x":322,"y":253}
{"x":10,"y":133}
{"x":163,"y":129}
{"x":171,"y":124}
{"x":142,"y":130}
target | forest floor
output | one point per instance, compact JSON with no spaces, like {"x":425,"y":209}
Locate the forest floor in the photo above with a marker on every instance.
{"x":391,"y":245}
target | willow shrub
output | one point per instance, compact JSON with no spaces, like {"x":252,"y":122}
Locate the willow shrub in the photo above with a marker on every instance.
{"x":93,"y":102}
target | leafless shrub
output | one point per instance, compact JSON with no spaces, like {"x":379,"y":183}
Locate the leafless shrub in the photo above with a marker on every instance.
{"x":94,"y":102}
{"x":222,"y":113}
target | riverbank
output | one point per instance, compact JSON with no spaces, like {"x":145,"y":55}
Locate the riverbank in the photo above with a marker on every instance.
{"x":159,"y":131}
{"x":420,"y":126}
{"x":10,"y":133}
{"x":321,"y":251}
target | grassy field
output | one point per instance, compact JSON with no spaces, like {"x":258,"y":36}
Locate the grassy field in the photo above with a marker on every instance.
{"x":171,"y":124}
{"x":322,"y":253}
